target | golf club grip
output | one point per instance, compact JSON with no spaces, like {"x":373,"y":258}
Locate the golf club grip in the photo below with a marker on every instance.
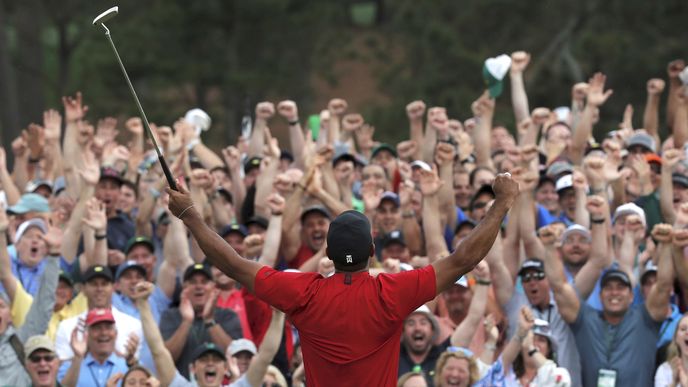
{"x":168,"y":173}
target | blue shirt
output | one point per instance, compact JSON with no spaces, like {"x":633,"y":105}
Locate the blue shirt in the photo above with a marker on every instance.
{"x":159,"y":302}
{"x":29,"y":277}
{"x":94,"y":374}
{"x":544,"y":217}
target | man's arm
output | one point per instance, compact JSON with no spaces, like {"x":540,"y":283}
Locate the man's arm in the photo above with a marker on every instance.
{"x":176,"y":256}
{"x":273,"y":234}
{"x":464,"y":332}
{"x":476,"y":245}
{"x":163,"y":360}
{"x":502,"y":281}
{"x":175,"y":344}
{"x":600,"y":256}
{"x":9,"y":282}
{"x":264,"y":111}
{"x":483,"y":109}
{"x":435,"y":246}
{"x":670,"y":158}
{"x":519,"y":98}
{"x":218,"y":251}
{"x":415,"y":111}
{"x":596,"y":98}
{"x":564,"y":293}
{"x":268,"y":349}
{"x":89,"y":178}
{"x":444,"y":156}
{"x":41,"y":310}
{"x":658,"y":300}
{"x":674,"y":68}
{"x":655,"y":87}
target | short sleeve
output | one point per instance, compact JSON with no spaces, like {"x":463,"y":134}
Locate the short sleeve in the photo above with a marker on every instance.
{"x":230,"y":322}
{"x":285,"y":291}
{"x":404,"y":292}
{"x":583,"y":311}
{"x":169,"y":322}
{"x":159,"y":301}
{"x":20,"y":306}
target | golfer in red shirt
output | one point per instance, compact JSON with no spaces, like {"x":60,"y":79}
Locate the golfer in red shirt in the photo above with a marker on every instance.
{"x":350,"y":323}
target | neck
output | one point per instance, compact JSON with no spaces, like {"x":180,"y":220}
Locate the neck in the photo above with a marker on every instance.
{"x":418,"y":358}
{"x":612,"y":319}
{"x":100,"y":357}
{"x":458,"y":317}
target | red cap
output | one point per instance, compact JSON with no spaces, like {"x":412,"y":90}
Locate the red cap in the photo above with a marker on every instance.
{"x":653,"y":158}
{"x":99,"y":315}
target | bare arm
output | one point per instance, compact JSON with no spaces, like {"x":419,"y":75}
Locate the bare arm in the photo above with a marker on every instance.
{"x":513,"y":348}
{"x":564,"y":293}
{"x":70,"y":242}
{"x":596,"y":98}
{"x":177,"y":256}
{"x":680,"y":127}
{"x":291,"y":228}
{"x":415,"y":111}
{"x":274,"y":232}
{"x":289,"y":111}
{"x":670,"y":158}
{"x":484,"y":110}
{"x":651,"y":115}
{"x":435,"y":246}
{"x":600,"y":254}
{"x":264,"y":110}
{"x":502,"y":281}
{"x":476,"y":245}
{"x":680,"y":261}
{"x":444,"y":155}
{"x":658,"y":299}
{"x":464,"y":332}
{"x":206,"y":156}
{"x":519,"y":98}
{"x":673,"y":70}
{"x":268,"y":349}
{"x":9,"y":282}
{"x":218,"y":251}
{"x":6,"y":183}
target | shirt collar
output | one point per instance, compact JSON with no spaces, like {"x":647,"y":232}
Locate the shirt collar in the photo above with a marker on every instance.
{"x":89,"y":359}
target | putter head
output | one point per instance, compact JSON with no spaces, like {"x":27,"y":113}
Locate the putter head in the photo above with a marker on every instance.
{"x":105,"y":16}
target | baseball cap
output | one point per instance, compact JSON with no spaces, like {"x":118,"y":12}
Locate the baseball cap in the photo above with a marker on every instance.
{"x":112,"y":174}
{"x":653,"y":158}
{"x":286,"y":155}
{"x":98,"y":271}
{"x":59,"y":185}
{"x":563,"y":183}
{"x":559,"y":168}
{"x":541,"y":327}
{"x":25,"y":226}
{"x":421,"y":164}
{"x":252,"y":163}
{"x":423,"y":309}
{"x":197,"y":268}
{"x":643,"y":140}
{"x":615,"y":274}
{"x":462,"y":281}
{"x":649,"y":268}
{"x":257,"y":220}
{"x":236,"y":228}
{"x":679,"y":179}
{"x":383,"y":147}
{"x":466,"y":223}
{"x":532,"y":264}
{"x":629,"y":209}
{"x":206,"y":348}
{"x":349,"y":238}
{"x":317,"y":209}
{"x":126,"y":265}
{"x":64,"y":276}
{"x":389,"y":195}
{"x":343,"y":156}
{"x":395,"y":236}
{"x":576,"y":229}
{"x":30,"y":202}
{"x":36,"y":342}
{"x":199,"y":119}
{"x":139,"y":240}
{"x":240,"y":345}
{"x":494,"y":71}
{"x":99,"y":315}
{"x":32,"y":186}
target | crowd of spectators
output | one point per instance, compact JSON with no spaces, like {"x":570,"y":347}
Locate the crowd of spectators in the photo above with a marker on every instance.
{"x":585,"y":286}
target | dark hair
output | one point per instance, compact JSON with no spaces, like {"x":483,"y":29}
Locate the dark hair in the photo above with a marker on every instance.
{"x":132,"y":186}
{"x":471,"y":177}
{"x":519,"y":366}
{"x":136,"y":368}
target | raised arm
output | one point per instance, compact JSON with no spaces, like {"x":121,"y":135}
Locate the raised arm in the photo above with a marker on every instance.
{"x":264,"y":111}
{"x":163,"y":360}
{"x":444,"y":156}
{"x":513,"y":348}
{"x":564,"y":293}
{"x":476,"y":245}
{"x":41,"y":310}
{"x":415,"y":111}
{"x":95,"y":235}
{"x":655,"y":87}
{"x":436,"y":115}
{"x":464,"y":332}
{"x":600,"y":254}
{"x":11,"y":191}
{"x":519,"y":98}
{"x":273,"y":234}
{"x":7,"y":279}
{"x":218,"y":251}
{"x":483,"y":109}
{"x":596,"y":97}
{"x":177,"y":256}
{"x":502,"y":281}
{"x":680,"y":127}
{"x":268,"y":349}
{"x":680,"y":241}
{"x":435,"y":246}
{"x":674,"y":68}
{"x":670,"y":159}
{"x":89,"y":177}
{"x":658,"y":300}
{"x":232,"y":158}
{"x":290,"y":112}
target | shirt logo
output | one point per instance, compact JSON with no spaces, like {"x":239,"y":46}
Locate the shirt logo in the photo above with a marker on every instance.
{"x":349,"y":259}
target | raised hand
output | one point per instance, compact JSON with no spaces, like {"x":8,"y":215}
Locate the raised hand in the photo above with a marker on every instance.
{"x":519,"y":62}
{"x":662,"y":233}
{"x":19,"y":147}
{"x":201,"y":179}
{"x":596,"y":94}
{"x":352,"y":122}
{"x":90,"y":173}
{"x":253,"y":245}
{"x":505,"y":188}
{"x":540,"y":115}
{"x":430,"y":182}
{"x":675,"y":67}
{"x":415,"y":110}
{"x":75,"y":110}
{"x":549,"y":235}
{"x":95,"y":216}
{"x":142,"y":291}
{"x":272,"y":148}
{"x":79,"y":345}
{"x":483,"y":106}
{"x":578,"y":92}
{"x":85,"y":133}
{"x":209,"y":307}
{"x":465,"y":144}
{"x":288,"y":110}
{"x":491,"y":330}
{"x":671,"y":157}
{"x":265,"y":110}
{"x":680,"y":238}
{"x":526,"y":320}
{"x":627,"y":121}
{"x":635,"y":227}
{"x":180,"y":201}
{"x":52,"y":122}
{"x":130,"y":348}
{"x":232,"y":157}
{"x":134,"y":125}
{"x":35,"y":140}
{"x":325,"y":266}
{"x":276,"y":203}
{"x":185,"y":308}
{"x":371,"y":195}
{"x":482,"y":271}
{"x":337,"y":107}
{"x":391,"y":265}
{"x":655,"y":86}
{"x":597,"y":207}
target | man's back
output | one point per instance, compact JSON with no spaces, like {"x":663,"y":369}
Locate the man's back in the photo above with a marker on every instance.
{"x":350,"y":324}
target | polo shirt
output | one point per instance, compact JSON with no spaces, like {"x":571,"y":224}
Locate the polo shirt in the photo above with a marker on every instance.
{"x":159,"y":302}
{"x":349,"y":324}
{"x":427,"y":367}
{"x":94,"y":374}
{"x":302,"y":255}
{"x":235,"y":302}
{"x":120,"y":229}
{"x":628,"y":347}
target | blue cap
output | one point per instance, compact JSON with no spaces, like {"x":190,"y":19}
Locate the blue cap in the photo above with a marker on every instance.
{"x":389,"y":195}
{"x":126,"y":265}
{"x":30,"y":202}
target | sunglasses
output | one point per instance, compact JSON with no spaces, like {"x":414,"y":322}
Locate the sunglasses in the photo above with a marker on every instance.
{"x":465,"y":351}
{"x":539,"y":276}
{"x":37,"y":358}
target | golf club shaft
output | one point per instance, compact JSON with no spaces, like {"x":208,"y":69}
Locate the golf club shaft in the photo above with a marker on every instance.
{"x":161,"y":158}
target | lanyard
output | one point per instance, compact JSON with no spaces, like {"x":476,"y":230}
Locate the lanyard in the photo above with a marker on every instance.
{"x":110,"y":366}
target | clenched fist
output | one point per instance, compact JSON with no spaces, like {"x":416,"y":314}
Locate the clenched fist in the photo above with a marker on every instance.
{"x":505,"y":188}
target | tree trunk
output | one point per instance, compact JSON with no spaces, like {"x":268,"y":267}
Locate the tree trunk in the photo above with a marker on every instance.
{"x":9,"y":114}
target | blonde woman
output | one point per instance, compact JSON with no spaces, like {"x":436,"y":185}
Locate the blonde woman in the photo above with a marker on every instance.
{"x":674,"y":371}
{"x":456,"y":367}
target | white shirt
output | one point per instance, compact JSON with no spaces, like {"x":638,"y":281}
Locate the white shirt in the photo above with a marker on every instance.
{"x":124,"y":323}
{"x":664,"y":376}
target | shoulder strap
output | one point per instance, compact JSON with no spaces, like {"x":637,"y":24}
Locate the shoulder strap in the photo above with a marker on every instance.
{"x":17,"y":347}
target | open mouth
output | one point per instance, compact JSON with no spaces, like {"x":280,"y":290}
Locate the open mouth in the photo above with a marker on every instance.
{"x":418,"y":338}
{"x":318,"y":237}
{"x":210,"y":376}
{"x":453,"y":382}
{"x":43,"y":374}
{"x":34,"y":250}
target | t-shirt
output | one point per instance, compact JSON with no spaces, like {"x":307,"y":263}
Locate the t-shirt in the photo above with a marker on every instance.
{"x":427,"y":367}
{"x":302,"y":255}
{"x":198,"y":334}
{"x":350,"y":323}
{"x":628,"y":347}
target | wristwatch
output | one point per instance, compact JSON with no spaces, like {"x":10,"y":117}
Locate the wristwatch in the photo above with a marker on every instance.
{"x":209,"y":324}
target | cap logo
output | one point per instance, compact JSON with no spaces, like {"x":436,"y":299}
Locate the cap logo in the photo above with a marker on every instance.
{"x":198,"y":266}
{"x":100,"y":312}
{"x":349,"y":258}
{"x":98,"y":269}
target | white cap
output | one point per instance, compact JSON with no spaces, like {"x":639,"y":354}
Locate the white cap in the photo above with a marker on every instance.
{"x":421,"y":164}
{"x":35,"y":222}
{"x":564,"y":182}
{"x":199,"y":119}
{"x":240,"y":345}
{"x":630,"y":209}
{"x":576,"y":229}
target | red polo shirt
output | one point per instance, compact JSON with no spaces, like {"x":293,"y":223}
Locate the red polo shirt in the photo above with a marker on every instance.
{"x":349,"y":324}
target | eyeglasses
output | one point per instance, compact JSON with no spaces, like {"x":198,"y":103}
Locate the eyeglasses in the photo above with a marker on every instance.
{"x":37,"y":358}
{"x":465,"y":351}
{"x":539,"y":276}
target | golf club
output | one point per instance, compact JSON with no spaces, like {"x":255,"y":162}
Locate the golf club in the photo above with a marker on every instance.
{"x":101,"y":19}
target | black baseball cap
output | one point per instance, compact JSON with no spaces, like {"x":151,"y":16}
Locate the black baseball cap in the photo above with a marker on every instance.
{"x":197,"y":268}
{"x":349,"y":239}
{"x":383,"y":147}
{"x":257,"y":220}
{"x":465,"y":223}
{"x":139,"y":240}
{"x":206,"y":348}
{"x":237,"y":228}
{"x":315,"y":209}
{"x":393,"y":237}
{"x":98,"y":271}
{"x":64,"y":276}
{"x":112,"y":174}
{"x":679,"y":179}
{"x":615,"y":274}
{"x":252,"y":163}
{"x":532,"y":264}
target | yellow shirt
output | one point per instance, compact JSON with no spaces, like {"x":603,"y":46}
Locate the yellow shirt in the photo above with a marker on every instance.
{"x":22,"y":304}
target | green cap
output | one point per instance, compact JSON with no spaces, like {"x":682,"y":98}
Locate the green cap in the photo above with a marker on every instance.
{"x":494,"y":71}
{"x":383,"y":147}
{"x":139,"y":240}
